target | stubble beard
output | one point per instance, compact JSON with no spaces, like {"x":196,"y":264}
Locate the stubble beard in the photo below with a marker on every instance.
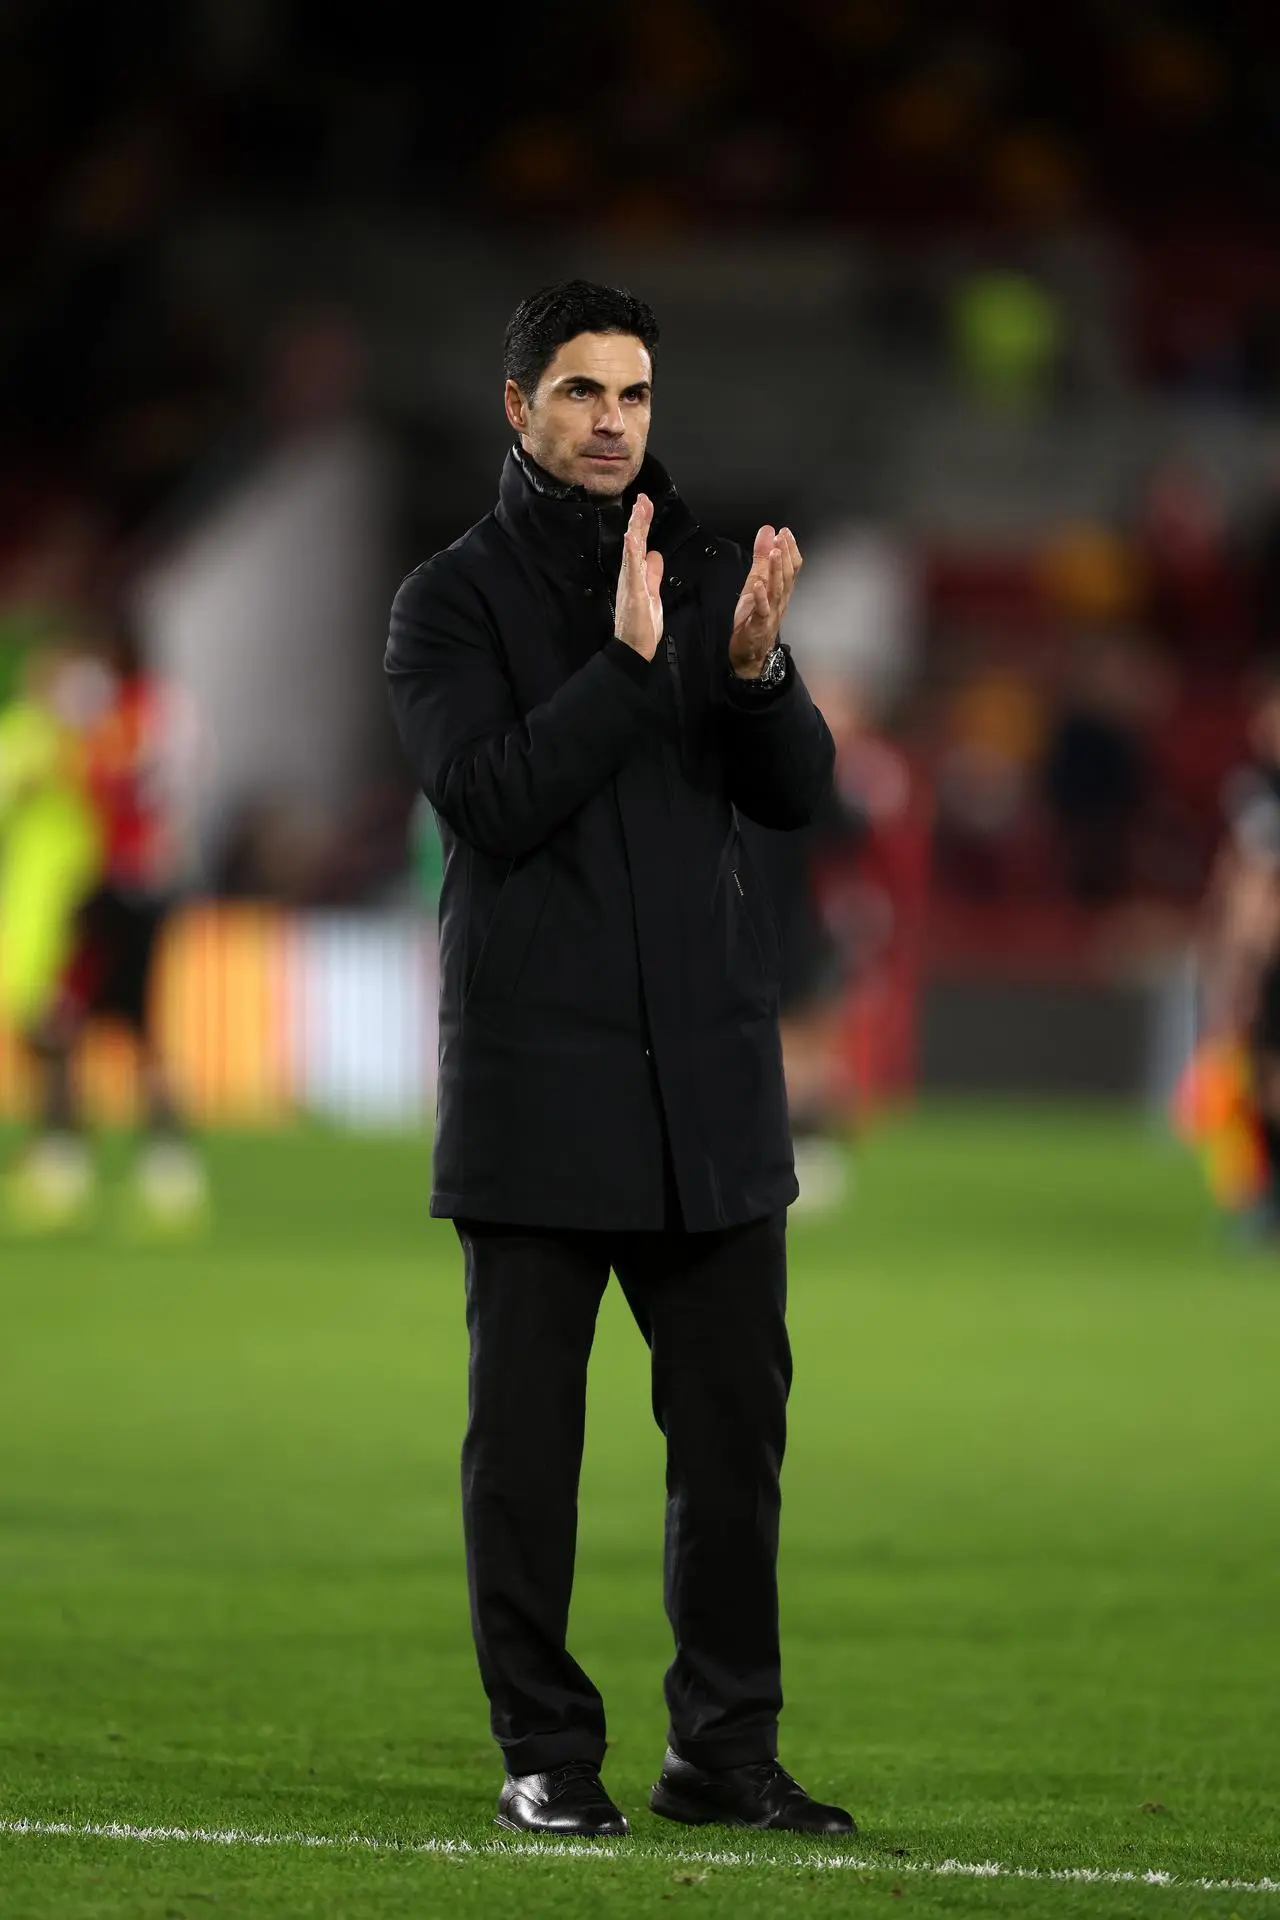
{"x":601,"y":490}
{"x":599,"y":486}
{"x":604,"y":487}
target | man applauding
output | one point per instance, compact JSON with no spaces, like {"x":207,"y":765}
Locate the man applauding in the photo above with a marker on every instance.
{"x":590,"y":688}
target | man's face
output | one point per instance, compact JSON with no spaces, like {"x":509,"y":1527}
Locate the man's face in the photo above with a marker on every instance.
{"x":588,"y":421}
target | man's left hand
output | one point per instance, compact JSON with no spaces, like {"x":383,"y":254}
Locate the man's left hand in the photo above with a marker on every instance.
{"x":757,"y":618}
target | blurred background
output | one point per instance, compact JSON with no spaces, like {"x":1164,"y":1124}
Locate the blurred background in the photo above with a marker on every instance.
{"x":985,"y":303}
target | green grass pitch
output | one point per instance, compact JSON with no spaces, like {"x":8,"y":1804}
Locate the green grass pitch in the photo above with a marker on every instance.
{"x":1031,"y":1561}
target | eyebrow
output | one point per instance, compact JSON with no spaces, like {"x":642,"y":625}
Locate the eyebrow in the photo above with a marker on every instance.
{"x":597,"y":386}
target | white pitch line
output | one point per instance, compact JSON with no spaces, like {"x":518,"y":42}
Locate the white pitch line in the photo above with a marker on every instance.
{"x":631,"y":1849}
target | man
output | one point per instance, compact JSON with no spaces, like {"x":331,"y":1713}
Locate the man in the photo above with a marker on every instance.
{"x":131,"y":753}
{"x":813,"y":983}
{"x":82,"y":906}
{"x":1230,"y":1096}
{"x":50,"y":859}
{"x":588,"y":691}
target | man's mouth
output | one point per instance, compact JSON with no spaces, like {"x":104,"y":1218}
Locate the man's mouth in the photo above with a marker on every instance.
{"x":614,"y":458}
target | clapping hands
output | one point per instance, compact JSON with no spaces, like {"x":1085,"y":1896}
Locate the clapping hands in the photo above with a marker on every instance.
{"x":757,"y":620}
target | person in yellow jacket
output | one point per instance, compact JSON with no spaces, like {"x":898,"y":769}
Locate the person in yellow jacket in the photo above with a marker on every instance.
{"x":51,"y":854}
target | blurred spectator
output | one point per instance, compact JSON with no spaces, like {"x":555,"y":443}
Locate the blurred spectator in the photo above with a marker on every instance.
{"x":816,"y":958}
{"x":1242,"y":924}
{"x":991,"y":735}
{"x":855,"y":622}
{"x":1090,"y":575}
{"x":814,"y":978}
{"x":1009,"y":337}
{"x":1096,"y":769}
{"x":1197,"y":602}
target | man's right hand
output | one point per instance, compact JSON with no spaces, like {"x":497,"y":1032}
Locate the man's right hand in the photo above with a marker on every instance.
{"x":637,"y":613}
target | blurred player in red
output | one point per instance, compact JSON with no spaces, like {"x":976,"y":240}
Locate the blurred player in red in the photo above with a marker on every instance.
{"x":1229,"y":1100}
{"x":130,"y":755}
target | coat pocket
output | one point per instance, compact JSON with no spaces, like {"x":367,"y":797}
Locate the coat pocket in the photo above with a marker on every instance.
{"x":755,"y":915}
{"x":751,"y":957}
{"x":511,"y":929}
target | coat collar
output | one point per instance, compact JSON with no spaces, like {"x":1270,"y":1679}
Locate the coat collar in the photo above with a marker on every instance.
{"x":563,"y":523}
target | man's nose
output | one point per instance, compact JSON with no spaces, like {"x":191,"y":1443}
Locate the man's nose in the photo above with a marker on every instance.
{"x":609,"y":419}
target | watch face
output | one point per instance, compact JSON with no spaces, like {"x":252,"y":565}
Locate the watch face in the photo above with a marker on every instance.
{"x":773,"y":670}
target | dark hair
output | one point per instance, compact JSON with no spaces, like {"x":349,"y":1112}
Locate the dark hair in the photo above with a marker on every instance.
{"x":544,"y":321}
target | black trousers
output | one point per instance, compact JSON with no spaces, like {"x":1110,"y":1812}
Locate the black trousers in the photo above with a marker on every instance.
{"x":712,"y":1307}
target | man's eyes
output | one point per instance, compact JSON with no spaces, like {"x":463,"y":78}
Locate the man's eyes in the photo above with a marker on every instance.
{"x":636,"y":395}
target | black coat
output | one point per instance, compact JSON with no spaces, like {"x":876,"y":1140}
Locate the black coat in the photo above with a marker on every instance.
{"x":608,"y":960}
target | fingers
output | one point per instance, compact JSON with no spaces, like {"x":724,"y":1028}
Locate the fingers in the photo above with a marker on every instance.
{"x":638,"y":607}
{"x":634,"y":541}
{"x":767,"y":539}
{"x":767,"y":543}
{"x":775,"y":562}
{"x":638,"y":525}
{"x":768,"y":582}
{"x":791,"y":561}
{"x":785,"y":563}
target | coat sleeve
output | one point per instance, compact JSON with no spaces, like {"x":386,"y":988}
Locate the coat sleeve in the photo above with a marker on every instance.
{"x":503,"y":781}
{"x":779,"y":757}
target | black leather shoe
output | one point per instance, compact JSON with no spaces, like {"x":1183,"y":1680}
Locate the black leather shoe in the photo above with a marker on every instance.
{"x":567,"y":1800}
{"x":760,"y":1795}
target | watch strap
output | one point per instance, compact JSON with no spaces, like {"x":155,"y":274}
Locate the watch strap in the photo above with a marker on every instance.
{"x":772,"y":674}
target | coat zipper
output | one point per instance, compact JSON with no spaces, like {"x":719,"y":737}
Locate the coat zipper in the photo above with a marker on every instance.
{"x":677,"y":687}
{"x":673,"y":666}
{"x":750,"y":918}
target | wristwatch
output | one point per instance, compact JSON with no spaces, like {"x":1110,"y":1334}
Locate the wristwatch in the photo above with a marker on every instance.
{"x":771,"y":675}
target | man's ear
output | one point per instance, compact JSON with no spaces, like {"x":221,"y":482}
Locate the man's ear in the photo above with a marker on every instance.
{"x":517,"y":411}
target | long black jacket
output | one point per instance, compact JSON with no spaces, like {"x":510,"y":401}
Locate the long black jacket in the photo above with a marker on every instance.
{"x":609,"y":961}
